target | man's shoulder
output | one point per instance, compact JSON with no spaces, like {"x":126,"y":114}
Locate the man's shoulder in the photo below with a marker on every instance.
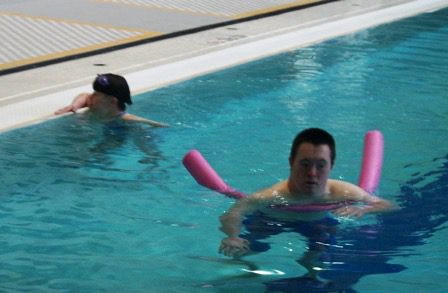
{"x":277,"y":189}
{"x":340,"y":183}
{"x":345,"y":189}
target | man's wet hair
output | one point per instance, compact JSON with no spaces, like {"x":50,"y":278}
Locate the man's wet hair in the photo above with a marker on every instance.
{"x":315,"y":136}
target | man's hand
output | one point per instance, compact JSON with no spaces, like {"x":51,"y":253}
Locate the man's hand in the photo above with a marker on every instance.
{"x":350,"y":211}
{"x":79,"y":102}
{"x":64,"y":110}
{"x":234,"y":246}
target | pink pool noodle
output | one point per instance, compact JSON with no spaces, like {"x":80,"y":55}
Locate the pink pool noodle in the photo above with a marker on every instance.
{"x":206,"y":176}
{"x":372,"y":161}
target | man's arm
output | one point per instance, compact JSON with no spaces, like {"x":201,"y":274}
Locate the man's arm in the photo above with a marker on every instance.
{"x":232,"y":219}
{"x":345,"y":191}
{"x":231,"y":222}
{"x":80,"y":101}
{"x":131,"y":117}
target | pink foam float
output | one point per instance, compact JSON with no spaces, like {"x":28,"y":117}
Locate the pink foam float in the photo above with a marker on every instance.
{"x":369,"y":178}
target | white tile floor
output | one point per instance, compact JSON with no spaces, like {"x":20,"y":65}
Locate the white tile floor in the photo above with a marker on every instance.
{"x":31,"y":33}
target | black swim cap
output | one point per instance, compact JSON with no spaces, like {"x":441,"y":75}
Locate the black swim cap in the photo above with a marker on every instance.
{"x":113,"y":85}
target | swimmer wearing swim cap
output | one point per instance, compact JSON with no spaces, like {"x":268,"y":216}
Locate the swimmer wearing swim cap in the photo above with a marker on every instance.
{"x":108,"y":101}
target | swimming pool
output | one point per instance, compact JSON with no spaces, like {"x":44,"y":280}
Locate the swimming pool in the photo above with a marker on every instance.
{"x":90,"y":208}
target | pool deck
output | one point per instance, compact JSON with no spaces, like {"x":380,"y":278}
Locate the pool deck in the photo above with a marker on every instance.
{"x":178,"y":43}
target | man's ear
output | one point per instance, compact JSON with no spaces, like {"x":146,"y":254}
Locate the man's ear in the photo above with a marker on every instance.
{"x":114,"y":101}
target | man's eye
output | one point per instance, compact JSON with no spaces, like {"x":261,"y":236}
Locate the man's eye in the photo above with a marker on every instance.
{"x":321,"y":165}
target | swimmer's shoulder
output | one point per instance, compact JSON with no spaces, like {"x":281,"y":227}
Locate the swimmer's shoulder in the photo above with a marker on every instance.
{"x":276,"y":190}
{"x":344,"y":190}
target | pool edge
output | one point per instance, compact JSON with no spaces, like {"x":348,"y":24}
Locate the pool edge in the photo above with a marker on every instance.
{"x":31,"y":111}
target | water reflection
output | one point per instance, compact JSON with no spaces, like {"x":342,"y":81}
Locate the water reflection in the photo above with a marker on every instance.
{"x":75,"y":151}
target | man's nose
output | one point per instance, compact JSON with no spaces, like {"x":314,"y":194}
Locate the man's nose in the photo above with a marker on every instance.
{"x":312,"y":171}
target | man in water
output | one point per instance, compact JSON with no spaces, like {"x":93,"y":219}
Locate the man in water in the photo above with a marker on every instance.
{"x":108,"y":101}
{"x":311,"y":159}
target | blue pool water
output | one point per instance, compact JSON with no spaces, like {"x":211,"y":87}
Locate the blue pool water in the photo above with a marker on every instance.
{"x":89,"y":208}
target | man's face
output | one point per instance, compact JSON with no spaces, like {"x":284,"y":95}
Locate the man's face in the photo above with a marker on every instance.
{"x":310,"y":169}
{"x":100,"y":103}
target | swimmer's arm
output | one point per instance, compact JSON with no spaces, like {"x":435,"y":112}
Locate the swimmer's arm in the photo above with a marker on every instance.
{"x":79,"y":102}
{"x":231,"y":220}
{"x":135,"y":118}
{"x":345,"y":191}
{"x":375,"y":204}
